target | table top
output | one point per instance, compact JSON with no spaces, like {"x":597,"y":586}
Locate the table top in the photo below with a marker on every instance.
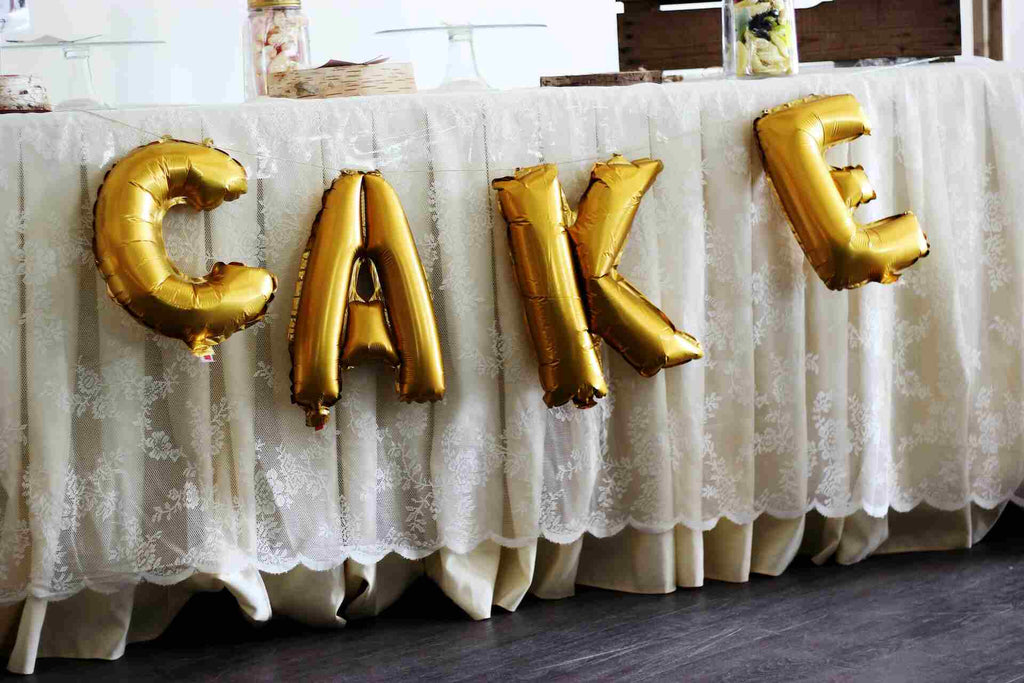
{"x":8,"y":45}
{"x":819,"y":79}
{"x":454,"y":27}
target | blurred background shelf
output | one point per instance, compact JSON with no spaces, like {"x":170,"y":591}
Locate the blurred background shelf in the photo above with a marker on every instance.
{"x":81,"y":92}
{"x":654,"y":35}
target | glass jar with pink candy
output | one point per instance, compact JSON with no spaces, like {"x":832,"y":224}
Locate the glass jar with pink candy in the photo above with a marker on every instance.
{"x":276,"y":40}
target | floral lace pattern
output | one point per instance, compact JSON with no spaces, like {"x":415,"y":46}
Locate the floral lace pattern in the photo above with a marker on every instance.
{"x":122,"y":457}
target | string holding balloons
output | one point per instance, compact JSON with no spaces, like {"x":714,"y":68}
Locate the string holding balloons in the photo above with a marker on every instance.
{"x":819,"y":200}
{"x":566,"y":265}
{"x":566,"y":262}
{"x":128,"y":245}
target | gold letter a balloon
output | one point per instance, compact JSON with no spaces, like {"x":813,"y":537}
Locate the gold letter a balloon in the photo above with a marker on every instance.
{"x":820,"y":200}
{"x":129,"y":245}
{"x":362,"y":225}
{"x":543,"y":234}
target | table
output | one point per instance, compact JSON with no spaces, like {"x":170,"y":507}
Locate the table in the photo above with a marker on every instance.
{"x":883,"y":419}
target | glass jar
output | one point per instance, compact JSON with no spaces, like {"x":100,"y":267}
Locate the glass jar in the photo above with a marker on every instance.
{"x":276,"y":39}
{"x":759,"y":38}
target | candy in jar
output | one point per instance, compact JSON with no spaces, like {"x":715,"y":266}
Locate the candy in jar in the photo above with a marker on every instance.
{"x":760,"y":38}
{"x":276,"y":40}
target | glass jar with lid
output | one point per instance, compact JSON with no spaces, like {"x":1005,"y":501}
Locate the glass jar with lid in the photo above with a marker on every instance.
{"x":759,"y":38}
{"x":276,"y":39}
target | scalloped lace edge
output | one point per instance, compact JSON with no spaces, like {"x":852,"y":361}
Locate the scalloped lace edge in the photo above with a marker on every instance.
{"x":366,"y":555}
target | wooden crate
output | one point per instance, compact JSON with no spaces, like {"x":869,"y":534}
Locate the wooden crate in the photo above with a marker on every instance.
{"x":344,"y":81}
{"x":842,"y":30}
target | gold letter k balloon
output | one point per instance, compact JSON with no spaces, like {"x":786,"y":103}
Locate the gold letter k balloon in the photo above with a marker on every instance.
{"x":557,"y":252}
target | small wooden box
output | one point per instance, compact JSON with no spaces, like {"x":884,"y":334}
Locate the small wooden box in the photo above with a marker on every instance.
{"x":22,"y":94}
{"x":344,"y":81}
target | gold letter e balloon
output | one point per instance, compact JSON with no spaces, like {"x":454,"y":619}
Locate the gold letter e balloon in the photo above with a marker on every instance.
{"x":557,"y":252}
{"x":820,"y":200}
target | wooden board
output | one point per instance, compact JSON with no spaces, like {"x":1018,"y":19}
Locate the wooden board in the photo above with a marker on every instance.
{"x":995,"y":29}
{"x":842,"y":30}
{"x":617,"y":78}
{"x":344,"y":81}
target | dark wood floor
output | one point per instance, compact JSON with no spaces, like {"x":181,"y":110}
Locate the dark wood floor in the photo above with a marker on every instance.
{"x":956,"y":616}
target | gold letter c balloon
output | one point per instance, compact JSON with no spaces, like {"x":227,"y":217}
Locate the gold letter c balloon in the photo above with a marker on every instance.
{"x":362,"y":225}
{"x":130,"y":253}
{"x":820,"y":200}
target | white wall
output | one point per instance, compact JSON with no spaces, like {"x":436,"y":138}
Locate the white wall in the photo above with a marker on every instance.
{"x":202,"y":60}
{"x":1013,"y":31}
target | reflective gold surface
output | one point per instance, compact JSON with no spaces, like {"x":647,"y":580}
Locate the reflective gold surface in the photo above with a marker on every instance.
{"x":362,"y":218}
{"x":535,"y":209}
{"x":617,"y":311}
{"x":321,"y":296}
{"x":820,"y":200}
{"x":390,"y":245}
{"x":367,"y":338}
{"x":544,"y":233}
{"x":367,"y":333}
{"x":130,"y":253}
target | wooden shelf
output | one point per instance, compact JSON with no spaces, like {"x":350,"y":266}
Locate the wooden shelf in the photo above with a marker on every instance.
{"x":843,"y":30}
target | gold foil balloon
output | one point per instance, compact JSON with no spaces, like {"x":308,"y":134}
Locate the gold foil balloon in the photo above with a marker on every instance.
{"x":556,"y":252}
{"x":819,"y":200}
{"x":361,"y":225}
{"x":537,"y":213}
{"x":129,"y":245}
{"x":617,"y":311}
{"x":321,"y":298}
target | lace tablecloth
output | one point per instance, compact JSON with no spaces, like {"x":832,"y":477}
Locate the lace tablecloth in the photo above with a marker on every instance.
{"x":123,"y":458}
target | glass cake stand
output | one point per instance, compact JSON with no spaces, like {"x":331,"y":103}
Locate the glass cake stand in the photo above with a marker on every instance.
{"x":462,"y":72}
{"x":81,"y":94}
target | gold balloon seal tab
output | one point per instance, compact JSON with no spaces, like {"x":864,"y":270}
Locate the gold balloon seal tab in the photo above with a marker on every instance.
{"x":819,"y":200}
{"x":202,"y":351}
{"x":317,"y":417}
